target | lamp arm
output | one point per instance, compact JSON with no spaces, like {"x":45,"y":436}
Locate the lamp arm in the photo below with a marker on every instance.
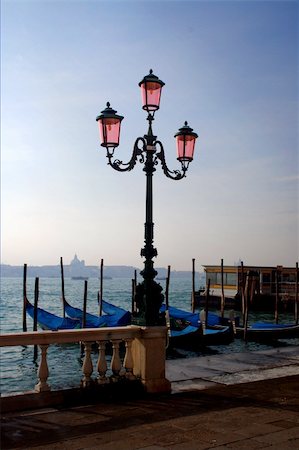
{"x":137,"y":152}
{"x":173,"y":174}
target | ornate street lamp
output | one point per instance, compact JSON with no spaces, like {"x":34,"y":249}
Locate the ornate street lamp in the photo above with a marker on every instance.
{"x":148,"y":151}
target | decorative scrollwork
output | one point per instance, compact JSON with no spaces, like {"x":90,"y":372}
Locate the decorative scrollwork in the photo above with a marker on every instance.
{"x":137,"y":154}
{"x":173,"y":174}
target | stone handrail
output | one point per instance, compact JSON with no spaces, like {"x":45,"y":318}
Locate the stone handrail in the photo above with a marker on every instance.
{"x":68,"y":336}
{"x":144,"y":353}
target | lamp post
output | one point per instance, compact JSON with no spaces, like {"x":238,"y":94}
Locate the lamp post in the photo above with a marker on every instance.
{"x":148,"y":151}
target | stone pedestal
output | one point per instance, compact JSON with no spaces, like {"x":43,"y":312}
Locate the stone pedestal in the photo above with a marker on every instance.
{"x":149,"y":355}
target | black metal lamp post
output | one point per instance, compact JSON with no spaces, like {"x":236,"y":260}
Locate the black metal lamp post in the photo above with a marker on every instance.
{"x":149,"y":151}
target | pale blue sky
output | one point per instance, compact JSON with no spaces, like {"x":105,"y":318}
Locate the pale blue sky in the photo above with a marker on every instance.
{"x":230,"y":69}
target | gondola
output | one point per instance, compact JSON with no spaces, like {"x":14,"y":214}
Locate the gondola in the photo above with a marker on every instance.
{"x":194,"y":338}
{"x":118,"y":318}
{"x":266,"y":331}
{"x":193,"y":318}
{"x":178,"y":314}
{"x":186,"y":330}
{"x":49,"y":321}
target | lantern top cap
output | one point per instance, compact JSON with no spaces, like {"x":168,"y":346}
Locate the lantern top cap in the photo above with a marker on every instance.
{"x":186,"y":130}
{"x":151,"y":78}
{"x":109,"y":112}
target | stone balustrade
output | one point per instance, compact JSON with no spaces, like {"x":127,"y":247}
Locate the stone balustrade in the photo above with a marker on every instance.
{"x":144,"y":356}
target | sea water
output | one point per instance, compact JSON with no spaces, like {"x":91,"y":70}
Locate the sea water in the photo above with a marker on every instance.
{"x":18,"y":370}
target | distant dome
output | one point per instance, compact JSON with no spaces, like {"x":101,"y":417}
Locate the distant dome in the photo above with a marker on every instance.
{"x":77,"y":267}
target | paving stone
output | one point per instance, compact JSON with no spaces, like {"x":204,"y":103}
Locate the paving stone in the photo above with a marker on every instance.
{"x":279,"y":437}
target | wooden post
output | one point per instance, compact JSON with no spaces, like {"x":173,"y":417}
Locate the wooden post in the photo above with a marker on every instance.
{"x":207,"y":300}
{"x":62,"y":287}
{"x":101,"y":289}
{"x":82,"y":346}
{"x":193,"y":286}
{"x":167,"y":288}
{"x":242,"y":293}
{"x":296,"y":296}
{"x":35,"y":313}
{"x":246,"y":307}
{"x":24,"y":298}
{"x":133,"y":296}
{"x":134,"y":284}
{"x":84,"y":304}
{"x":252,"y":287}
{"x":222,"y":291}
{"x":276,"y":296}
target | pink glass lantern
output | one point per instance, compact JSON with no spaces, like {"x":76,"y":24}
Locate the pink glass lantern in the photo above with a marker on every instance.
{"x":151,"y":88}
{"x":185,"y":143}
{"x":109,"y":127}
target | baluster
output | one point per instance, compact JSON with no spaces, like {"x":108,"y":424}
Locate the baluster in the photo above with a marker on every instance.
{"x":43,"y":371}
{"x":128,"y":361}
{"x":115,"y":360}
{"x":102,"y":363}
{"x":87,"y":367}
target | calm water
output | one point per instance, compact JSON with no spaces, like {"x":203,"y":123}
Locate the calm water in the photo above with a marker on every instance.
{"x":17,"y":368}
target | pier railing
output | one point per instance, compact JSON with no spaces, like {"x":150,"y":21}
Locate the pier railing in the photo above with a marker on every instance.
{"x":144,"y":354}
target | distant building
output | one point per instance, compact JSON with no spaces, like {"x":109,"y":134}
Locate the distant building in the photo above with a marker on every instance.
{"x":269,"y":279}
{"x":78,"y":271}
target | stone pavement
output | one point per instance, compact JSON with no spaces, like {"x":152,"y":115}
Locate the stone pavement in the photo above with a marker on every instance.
{"x":237,"y":401}
{"x":232,"y":368}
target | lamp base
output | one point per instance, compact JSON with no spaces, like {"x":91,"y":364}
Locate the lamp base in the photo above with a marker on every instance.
{"x":148,"y":300}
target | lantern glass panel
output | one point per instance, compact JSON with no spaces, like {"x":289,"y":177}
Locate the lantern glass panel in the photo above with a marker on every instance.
{"x":150,"y":94}
{"x":185,"y":147}
{"x":109,"y":131}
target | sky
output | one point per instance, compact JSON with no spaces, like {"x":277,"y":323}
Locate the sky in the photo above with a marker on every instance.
{"x":230,"y":69}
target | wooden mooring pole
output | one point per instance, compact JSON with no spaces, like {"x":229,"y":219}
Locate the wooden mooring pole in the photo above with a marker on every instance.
{"x":36,"y":292}
{"x":242,"y":293}
{"x":167,"y":315}
{"x":246,"y":306}
{"x":24,"y":298}
{"x":133,"y":296}
{"x":134,"y":284}
{"x":193,"y":286}
{"x":62,"y":287}
{"x":84,"y":304}
{"x":296,"y":296}
{"x":101,"y":288}
{"x":276,"y":295}
{"x":167,"y":288}
{"x":222,"y":291}
{"x":207,"y":301}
